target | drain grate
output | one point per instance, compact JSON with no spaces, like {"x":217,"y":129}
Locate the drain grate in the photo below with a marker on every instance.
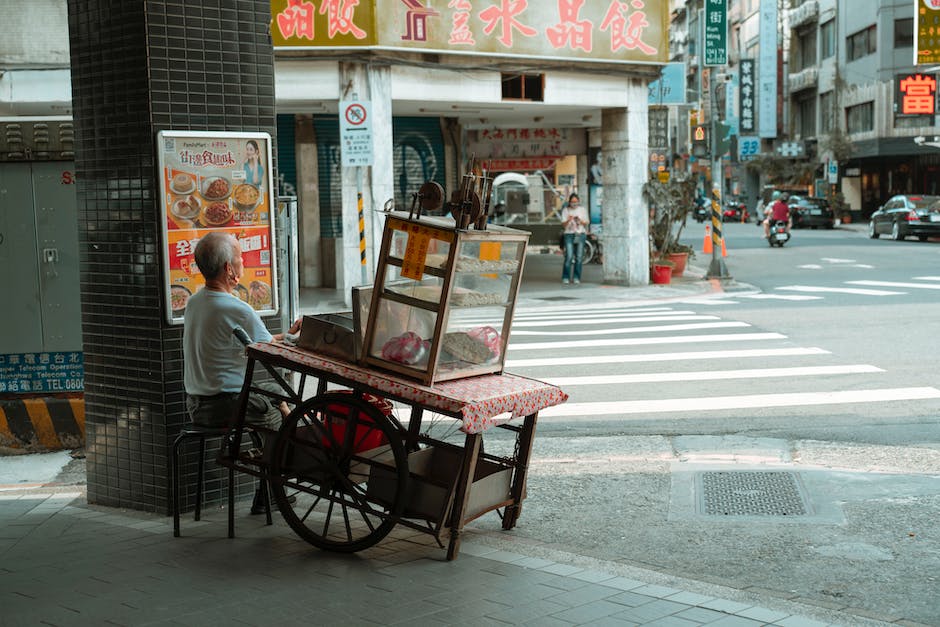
{"x":556,"y":298}
{"x":746,"y":493}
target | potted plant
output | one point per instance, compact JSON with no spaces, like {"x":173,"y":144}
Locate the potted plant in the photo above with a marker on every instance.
{"x":670,"y":204}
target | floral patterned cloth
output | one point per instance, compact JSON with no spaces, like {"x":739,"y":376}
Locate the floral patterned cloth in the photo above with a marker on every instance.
{"x":480,"y":402}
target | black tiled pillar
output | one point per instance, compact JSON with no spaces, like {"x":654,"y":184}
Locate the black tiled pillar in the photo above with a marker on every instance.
{"x":139,"y":67}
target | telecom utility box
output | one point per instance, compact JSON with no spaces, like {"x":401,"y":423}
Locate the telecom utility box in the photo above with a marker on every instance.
{"x":41,"y":340}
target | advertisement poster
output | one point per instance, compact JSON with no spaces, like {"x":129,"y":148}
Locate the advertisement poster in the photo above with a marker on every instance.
{"x":217,"y":181}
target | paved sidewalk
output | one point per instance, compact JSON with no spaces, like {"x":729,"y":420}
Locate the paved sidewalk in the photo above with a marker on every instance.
{"x":68,"y":563}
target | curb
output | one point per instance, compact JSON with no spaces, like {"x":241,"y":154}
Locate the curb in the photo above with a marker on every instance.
{"x":43,"y":424}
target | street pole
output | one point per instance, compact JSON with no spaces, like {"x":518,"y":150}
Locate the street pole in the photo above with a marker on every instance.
{"x":717,"y":269}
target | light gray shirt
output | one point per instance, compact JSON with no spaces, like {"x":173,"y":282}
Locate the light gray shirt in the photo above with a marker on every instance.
{"x":213,"y":359}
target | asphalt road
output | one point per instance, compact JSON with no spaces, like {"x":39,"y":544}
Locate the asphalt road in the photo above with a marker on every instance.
{"x":824,"y":374}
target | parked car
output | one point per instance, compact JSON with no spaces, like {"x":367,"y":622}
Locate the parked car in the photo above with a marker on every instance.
{"x":809,"y":212}
{"x":907,"y":215}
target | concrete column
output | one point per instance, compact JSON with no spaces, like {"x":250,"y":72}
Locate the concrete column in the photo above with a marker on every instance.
{"x":308,"y":204}
{"x":139,"y":68}
{"x":624,"y":145}
{"x":353,"y":83}
{"x":382,"y":172}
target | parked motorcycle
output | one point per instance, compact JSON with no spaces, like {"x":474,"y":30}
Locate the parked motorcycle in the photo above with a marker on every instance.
{"x":779,"y":234}
{"x":592,"y":252}
{"x":735,"y":211}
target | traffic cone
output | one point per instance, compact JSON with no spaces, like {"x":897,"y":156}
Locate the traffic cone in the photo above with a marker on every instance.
{"x":707,"y":244}
{"x":724,"y":251}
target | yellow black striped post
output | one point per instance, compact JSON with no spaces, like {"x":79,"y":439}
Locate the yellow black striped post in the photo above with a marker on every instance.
{"x":362,"y":237}
{"x":717,"y":268}
{"x":46,"y":423}
{"x":716,"y":225}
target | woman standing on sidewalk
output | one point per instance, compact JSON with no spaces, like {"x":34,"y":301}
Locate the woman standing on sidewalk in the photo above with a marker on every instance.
{"x":574,"y":219}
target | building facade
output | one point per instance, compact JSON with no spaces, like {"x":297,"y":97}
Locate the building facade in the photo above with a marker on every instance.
{"x":839,"y":106}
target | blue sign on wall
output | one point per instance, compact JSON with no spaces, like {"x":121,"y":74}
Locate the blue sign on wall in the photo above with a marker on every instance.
{"x":30,"y":373}
{"x":669,"y":88}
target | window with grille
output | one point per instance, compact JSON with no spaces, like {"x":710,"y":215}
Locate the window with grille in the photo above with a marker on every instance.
{"x":827,"y":39}
{"x":862,"y":43}
{"x":904,"y":33}
{"x":825,"y":112}
{"x":860,"y":118}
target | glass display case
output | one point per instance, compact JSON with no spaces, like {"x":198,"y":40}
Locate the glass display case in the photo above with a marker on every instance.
{"x":443,"y":298}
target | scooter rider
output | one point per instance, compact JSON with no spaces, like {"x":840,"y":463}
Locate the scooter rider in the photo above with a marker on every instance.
{"x":779,"y":212}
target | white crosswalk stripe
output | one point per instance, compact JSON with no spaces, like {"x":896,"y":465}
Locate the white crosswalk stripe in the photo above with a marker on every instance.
{"x":712,"y":375}
{"x":792,"y":297}
{"x":749,"y":401}
{"x":837,"y":290}
{"x":640,"y":341}
{"x":654,"y":357}
{"x":669,"y":327}
{"x":916,"y":286}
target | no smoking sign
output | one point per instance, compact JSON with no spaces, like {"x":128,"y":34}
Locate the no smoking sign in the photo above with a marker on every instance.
{"x":355,"y":132}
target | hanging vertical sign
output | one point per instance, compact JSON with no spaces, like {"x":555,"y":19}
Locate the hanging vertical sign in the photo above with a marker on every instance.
{"x":767,"y":65}
{"x":746,"y":96}
{"x":716,"y":32}
{"x":658,"y":127}
{"x":927,"y":33}
{"x":916,"y":94}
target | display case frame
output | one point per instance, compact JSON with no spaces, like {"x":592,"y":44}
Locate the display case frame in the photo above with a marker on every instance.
{"x":396,"y":267}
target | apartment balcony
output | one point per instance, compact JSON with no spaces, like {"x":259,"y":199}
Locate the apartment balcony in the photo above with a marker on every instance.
{"x":804,"y":14}
{"x":804,"y":79}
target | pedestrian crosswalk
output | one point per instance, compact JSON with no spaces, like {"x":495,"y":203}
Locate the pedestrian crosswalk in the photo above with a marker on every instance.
{"x":802,"y":292}
{"x":611,"y":362}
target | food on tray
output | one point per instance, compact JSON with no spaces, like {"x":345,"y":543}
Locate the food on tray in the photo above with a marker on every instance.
{"x":187,"y":208}
{"x":246,"y":196}
{"x":407,"y":348}
{"x":216,"y":188}
{"x":476,"y":346}
{"x":259,"y":294}
{"x":472,"y":264}
{"x":218,"y":213}
{"x":182,"y":183}
{"x":179,"y":296}
{"x":435,"y":260}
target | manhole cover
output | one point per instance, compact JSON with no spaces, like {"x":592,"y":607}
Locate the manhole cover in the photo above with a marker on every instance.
{"x":744,"y":493}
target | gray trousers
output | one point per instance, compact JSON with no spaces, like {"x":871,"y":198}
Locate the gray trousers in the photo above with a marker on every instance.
{"x":220,"y":410}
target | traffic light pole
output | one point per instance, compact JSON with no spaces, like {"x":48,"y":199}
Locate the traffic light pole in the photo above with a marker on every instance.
{"x":717,"y":269}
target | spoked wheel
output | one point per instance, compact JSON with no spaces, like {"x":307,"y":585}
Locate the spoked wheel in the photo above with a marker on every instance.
{"x":588,"y":251}
{"x":344,"y":464}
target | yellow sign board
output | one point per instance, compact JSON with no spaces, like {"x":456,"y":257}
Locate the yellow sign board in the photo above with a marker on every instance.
{"x":927,"y":32}
{"x":600,"y":30}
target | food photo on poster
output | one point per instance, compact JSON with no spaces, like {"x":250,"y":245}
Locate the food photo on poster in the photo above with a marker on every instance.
{"x":256,"y":287}
{"x":214,"y":181}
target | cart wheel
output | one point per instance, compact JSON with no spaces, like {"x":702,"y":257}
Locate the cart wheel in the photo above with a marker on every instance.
{"x":345,"y":466}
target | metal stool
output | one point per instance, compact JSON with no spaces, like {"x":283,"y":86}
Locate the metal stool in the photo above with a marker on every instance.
{"x":196,"y":432}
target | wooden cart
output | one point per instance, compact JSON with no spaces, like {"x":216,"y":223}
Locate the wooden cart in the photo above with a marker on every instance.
{"x":344,"y":470}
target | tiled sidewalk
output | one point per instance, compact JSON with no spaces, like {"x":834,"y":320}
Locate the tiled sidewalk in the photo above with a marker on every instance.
{"x":63,"y":562}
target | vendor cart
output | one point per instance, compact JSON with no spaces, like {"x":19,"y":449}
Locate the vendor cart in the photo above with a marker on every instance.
{"x":344,"y":469}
